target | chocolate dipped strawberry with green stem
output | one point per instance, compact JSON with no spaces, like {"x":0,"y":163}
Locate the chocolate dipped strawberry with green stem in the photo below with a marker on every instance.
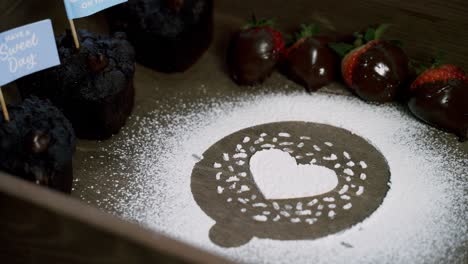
{"x":439,"y":97}
{"x":309,"y":61}
{"x":254,"y":52}
{"x":375,"y":69}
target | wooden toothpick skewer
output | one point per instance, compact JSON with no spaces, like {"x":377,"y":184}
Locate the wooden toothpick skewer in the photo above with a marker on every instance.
{"x":4,"y":107}
{"x":74,"y":34}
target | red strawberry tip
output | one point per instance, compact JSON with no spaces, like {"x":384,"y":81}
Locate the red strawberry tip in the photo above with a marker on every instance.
{"x":442,"y":73}
{"x":351,"y":59}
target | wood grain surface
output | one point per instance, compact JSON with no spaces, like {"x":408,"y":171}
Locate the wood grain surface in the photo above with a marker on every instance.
{"x":40,"y":226}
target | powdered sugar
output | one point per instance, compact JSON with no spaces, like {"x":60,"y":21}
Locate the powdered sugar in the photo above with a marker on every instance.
{"x":422,"y":219}
{"x":273,"y":168}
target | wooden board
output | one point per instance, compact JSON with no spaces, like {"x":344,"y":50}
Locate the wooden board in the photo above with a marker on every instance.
{"x":43,"y":225}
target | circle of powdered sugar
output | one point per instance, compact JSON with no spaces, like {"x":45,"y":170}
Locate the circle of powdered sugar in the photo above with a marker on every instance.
{"x":143,"y":176}
{"x":223,"y":186}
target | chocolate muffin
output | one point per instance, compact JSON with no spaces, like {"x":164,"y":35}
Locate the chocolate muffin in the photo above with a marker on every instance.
{"x":38,"y":144}
{"x":168,"y":35}
{"x":93,"y":85}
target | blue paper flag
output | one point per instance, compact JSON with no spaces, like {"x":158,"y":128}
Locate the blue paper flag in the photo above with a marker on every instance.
{"x":27,"y":49}
{"x":82,"y":8}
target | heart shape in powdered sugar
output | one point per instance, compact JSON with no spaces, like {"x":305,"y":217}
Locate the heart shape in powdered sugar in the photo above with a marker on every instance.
{"x":278,"y":176}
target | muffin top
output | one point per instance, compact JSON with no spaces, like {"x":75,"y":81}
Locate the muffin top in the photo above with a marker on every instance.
{"x":102,"y":67}
{"x":162,"y":18}
{"x":37,"y":141}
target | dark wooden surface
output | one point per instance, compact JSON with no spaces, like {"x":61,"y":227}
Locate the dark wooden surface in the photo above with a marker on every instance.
{"x":41,"y":226}
{"x":38,"y":225}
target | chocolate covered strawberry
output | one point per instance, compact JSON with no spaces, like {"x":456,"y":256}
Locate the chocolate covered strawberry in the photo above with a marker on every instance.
{"x":309,"y":61}
{"x":375,"y":69}
{"x":439,"y":96}
{"x":254,"y":52}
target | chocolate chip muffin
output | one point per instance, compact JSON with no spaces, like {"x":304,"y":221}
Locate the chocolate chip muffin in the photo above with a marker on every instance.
{"x":93,"y":85}
{"x":38,"y":144}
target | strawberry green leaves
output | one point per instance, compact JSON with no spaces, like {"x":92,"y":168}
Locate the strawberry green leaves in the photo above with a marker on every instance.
{"x":362,"y":38}
{"x":307,"y":31}
{"x":341,"y":48}
{"x":255,"y":23}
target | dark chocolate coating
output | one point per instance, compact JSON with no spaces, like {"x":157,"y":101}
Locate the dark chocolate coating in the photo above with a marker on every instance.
{"x":168,"y":35}
{"x":443,"y":105}
{"x":312,"y":64}
{"x":251,"y":56}
{"x":38,"y":144}
{"x":381,"y":73}
{"x":93,"y":86}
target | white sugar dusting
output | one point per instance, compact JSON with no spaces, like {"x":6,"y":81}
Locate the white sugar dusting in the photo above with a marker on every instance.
{"x":244,"y":188}
{"x":260,"y":218}
{"x":312,"y":203}
{"x":348,"y":171}
{"x":295,"y":220}
{"x":345,"y":197}
{"x":242,"y":174}
{"x":299,"y":206}
{"x":422,"y":219}
{"x":363,"y":164}
{"x":240,"y":156}
{"x":272,"y":168}
{"x":363,"y":176}
{"x":360,"y":190}
{"x":232,"y":179}
{"x":331,"y":157}
{"x":346,"y":154}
